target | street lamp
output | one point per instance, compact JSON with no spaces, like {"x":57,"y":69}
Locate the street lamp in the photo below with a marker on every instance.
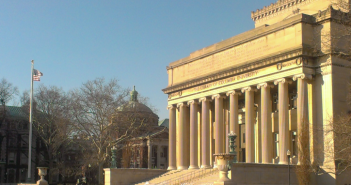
{"x":288,"y":154}
{"x":114,"y":157}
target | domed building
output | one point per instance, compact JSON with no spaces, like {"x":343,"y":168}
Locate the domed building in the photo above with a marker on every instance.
{"x":146,"y":145}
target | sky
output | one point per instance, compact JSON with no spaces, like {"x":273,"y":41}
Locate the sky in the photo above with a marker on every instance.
{"x":133,"y":41}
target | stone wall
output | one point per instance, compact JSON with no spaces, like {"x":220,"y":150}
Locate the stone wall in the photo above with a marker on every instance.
{"x":262,"y":174}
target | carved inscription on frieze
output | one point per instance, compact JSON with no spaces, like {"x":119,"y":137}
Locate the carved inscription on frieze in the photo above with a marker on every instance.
{"x":214,"y":84}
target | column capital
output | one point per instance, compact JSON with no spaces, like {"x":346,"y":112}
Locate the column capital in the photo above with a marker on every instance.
{"x":302,"y":76}
{"x":204,"y":99}
{"x":218,"y":96}
{"x":264,"y":85}
{"x":232,"y":93}
{"x":171,"y":107}
{"x":248,"y":89}
{"x":192,"y":102}
{"x":181,"y":104}
{"x":282,"y":80}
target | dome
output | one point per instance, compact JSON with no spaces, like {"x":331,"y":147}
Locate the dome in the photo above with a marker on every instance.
{"x":134,"y":105}
{"x":139,"y":110}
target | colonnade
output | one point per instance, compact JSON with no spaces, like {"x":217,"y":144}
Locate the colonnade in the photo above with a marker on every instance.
{"x":185,"y":127}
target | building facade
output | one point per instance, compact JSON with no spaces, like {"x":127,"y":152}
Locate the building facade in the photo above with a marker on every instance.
{"x":147,"y":146}
{"x":288,"y":75}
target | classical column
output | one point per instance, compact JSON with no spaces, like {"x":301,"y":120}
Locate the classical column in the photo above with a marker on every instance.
{"x":233,"y":119}
{"x":194,"y":106}
{"x":172,"y":138}
{"x":266,"y":122}
{"x":182,"y":139}
{"x":219,"y":130}
{"x":283,"y":101}
{"x":205,"y":142}
{"x":302,"y":113}
{"x":250,"y":119}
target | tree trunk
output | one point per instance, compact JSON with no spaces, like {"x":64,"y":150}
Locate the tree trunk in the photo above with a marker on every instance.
{"x":101,"y":170}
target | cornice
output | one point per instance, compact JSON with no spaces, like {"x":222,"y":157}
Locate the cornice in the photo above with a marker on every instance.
{"x":271,"y":29}
{"x":237,"y":70}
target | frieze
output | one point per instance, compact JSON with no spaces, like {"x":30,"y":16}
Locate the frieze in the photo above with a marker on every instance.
{"x":239,"y":69}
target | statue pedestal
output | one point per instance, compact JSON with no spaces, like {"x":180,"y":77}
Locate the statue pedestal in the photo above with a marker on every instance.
{"x":42,"y":171}
{"x":222,"y":165}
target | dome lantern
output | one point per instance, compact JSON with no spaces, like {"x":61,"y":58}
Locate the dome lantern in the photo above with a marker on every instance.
{"x":134,"y":95}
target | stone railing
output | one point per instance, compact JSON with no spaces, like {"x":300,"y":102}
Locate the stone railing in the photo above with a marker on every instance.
{"x":274,"y":8}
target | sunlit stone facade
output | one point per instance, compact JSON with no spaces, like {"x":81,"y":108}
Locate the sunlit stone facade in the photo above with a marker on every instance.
{"x":265,"y":85}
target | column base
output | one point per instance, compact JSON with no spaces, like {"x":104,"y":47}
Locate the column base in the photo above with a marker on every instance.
{"x":172,"y":168}
{"x":205,"y":166}
{"x":193,"y":167}
{"x":182,"y":168}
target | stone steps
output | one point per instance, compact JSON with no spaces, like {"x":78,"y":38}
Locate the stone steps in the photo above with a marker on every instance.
{"x":185,"y":177}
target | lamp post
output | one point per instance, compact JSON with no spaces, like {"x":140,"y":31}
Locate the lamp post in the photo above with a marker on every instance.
{"x":288,"y":154}
{"x":114,"y":157}
{"x":231,"y":137}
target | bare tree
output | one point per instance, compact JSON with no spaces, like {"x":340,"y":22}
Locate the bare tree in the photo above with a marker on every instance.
{"x":51,"y":123}
{"x":7,"y":91}
{"x":93,"y":106}
{"x":304,"y":169}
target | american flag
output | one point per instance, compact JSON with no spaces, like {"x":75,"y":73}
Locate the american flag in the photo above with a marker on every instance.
{"x":36,"y":75}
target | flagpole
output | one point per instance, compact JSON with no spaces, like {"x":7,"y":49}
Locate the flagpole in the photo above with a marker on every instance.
{"x":30,"y":126}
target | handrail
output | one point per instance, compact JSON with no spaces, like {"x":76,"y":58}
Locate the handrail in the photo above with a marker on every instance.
{"x":188,"y":177}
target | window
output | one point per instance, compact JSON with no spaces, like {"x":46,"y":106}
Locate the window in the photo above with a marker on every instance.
{"x":12,"y":157}
{"x":24,"y":159}
{"x":23,"y":175}
{"x":11,"y":175}
{"x":12,"y":141}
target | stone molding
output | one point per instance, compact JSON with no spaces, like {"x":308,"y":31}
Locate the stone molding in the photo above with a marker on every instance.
{"x":302,"y":76}
{"x":243,"y":90}
{"x":282,"y":80}
{"x":264,"y":85}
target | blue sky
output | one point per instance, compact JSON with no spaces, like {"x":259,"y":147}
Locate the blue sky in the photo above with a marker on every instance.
{"x":134,"y":40}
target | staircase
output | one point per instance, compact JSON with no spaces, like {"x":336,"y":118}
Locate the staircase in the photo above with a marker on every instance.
{"x":177,"y":177}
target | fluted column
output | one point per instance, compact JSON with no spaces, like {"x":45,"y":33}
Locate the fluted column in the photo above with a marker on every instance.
{"x":302,"y":114}
{"x":205,"y":132}
{"x":283,"y":101}
{"x":193,"y":134}
{"x":172,"y":138}
{"x":233,"y":119}
{"x":250,"y":119}
{"x":266,"y":122}
{"x":219,"y":123}
{"x":182,"y":139}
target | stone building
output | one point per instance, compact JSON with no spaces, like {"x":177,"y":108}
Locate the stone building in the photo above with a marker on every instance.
{"x":148,"y":146}
{"x":290,"y":73}
{"x":14,"y":130}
